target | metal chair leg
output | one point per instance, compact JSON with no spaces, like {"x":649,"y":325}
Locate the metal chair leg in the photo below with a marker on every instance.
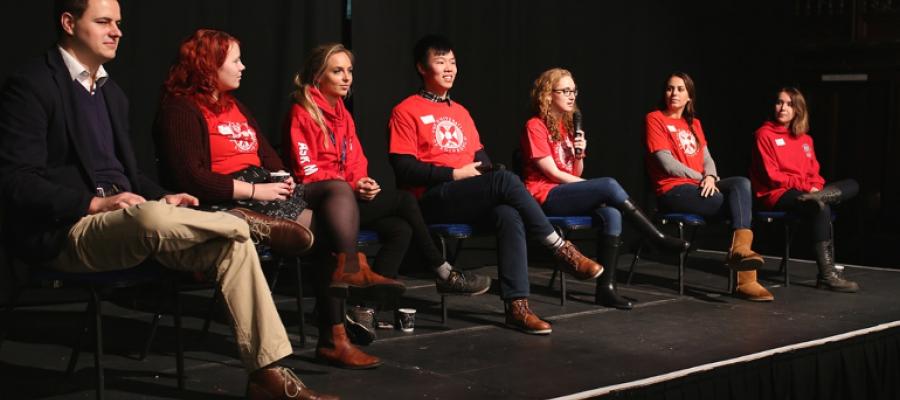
{"x":785,"y":267}
{"x":634,"y":261}
{"x":179,"y":343}
{"x":211,"y":310}
{"x":79,"y":342}
{"x":98,"y":343}
{"x":682,"y":257}
{"x":300,"y":316}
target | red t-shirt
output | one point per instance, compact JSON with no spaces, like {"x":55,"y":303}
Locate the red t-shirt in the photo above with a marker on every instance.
{"x":782,"y":161}
{"x":232,"y":141}
{"x":674,"y":135}
{"x":537,"y":144}
{"x":441,"y":134}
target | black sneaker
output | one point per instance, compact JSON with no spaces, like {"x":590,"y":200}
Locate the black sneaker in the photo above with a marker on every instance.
{"x":463,"y":283}
{"x":360,"y":324}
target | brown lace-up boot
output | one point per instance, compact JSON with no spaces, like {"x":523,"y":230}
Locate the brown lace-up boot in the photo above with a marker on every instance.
{"x":520,"y":316}
{"x":575,"y":263}
{"x":280,"y":383}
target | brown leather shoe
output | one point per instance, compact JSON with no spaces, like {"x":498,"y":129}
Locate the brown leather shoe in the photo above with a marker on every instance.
{"x":335,"y":348}
{"x":576,"y":264}
{"x":520,"y":316}
{"x":748,"y":288}
{"x":740,"y":256}
{"x":276,"y":383}
{"x":363,"y":277}
{"x":285,"y":237}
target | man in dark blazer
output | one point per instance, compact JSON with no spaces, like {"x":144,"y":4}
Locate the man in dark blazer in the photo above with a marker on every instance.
{"x":74,"y":199}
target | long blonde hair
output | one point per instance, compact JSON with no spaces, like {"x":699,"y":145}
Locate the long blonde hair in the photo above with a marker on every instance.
{"x":542,"y":98}
{"x":309,"y":76}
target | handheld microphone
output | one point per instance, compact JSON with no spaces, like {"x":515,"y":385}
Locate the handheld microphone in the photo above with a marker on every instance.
{"x":579,"y":132}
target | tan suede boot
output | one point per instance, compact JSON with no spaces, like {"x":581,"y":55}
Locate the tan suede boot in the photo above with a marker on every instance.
{"x":748,"y":288}
{"x":740,"y":256}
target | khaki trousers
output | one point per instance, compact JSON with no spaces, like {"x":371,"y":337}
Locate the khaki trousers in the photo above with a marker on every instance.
{"x":187,"y":240}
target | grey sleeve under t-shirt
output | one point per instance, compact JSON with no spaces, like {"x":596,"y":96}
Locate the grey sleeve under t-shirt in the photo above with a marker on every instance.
{"x":676,"y":168}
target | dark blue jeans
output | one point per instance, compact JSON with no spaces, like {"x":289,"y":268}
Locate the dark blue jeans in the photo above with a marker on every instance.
{"x":500,"y":198}
{"x":733,"y":201}
{"x":590,"y":197}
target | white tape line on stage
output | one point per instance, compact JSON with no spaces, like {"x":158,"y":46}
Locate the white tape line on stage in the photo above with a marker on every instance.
{"x":708,"y":367}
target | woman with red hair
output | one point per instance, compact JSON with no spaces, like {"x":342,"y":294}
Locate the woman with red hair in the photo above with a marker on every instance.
{"x":211,"y":147}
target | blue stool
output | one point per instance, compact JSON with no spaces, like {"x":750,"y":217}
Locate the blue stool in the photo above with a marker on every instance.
{"x":681,"y":220}
{"x":563,"y":226}
{"x":443,"y":233}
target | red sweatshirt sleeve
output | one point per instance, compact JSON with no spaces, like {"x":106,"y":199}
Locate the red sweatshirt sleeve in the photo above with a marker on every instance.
{"x":307,"y":142}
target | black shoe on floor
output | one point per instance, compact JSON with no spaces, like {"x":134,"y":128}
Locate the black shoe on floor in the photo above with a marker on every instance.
{"x":463,"y":284}
{"x":360,"y":325}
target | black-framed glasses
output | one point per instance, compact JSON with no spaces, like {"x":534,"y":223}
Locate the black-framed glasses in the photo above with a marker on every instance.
{"x":567,"y":92}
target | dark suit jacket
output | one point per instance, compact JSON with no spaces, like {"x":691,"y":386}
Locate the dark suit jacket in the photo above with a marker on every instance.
{"x":46,"y":177}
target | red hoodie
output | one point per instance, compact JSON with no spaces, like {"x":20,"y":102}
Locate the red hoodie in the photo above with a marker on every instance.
{"x":782,"y":161}
{"x":314,"y":156}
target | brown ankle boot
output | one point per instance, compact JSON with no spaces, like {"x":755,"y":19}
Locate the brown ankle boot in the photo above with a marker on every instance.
{"x":277,"y":383}
{"x":335,"y":348}
{"x":748,"y":288}
{"x":520,"y":316}
{"x":575,"y":263}
{"x":363,"y":277}
{"x":740,"y":256}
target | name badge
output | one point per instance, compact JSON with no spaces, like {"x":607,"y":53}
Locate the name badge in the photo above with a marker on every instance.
{"x":427,"y":119}
{"x":671,"y":128}
{"x":779,"y":142}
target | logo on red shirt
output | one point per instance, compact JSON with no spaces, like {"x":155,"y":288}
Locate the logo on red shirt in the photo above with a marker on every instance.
{"x":688,"y":142}
{"x":563,"y":150}
{"x":239,"y":133}
{"x":448,"y":135}
{"x":806,"y":150}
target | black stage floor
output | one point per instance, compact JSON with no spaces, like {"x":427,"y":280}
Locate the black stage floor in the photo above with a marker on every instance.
{"x":591,"y":352}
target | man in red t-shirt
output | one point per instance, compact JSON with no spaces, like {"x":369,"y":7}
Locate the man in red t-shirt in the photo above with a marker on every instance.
{"x":437,"y":154}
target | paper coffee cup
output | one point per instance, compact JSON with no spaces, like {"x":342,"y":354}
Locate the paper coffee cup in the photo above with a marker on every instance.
{"x":406,"y":319}
{"x":279,"y":176}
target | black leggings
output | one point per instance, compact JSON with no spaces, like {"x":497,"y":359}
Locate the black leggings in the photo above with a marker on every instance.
{"x":337,"y":226}
{"x":818,"y":220}
{"x":395,"y":215}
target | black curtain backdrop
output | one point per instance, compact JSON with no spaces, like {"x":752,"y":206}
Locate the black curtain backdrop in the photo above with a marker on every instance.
{"x":620,"y":54}
{"x":275,"y":37}
{"x":738,"y":52}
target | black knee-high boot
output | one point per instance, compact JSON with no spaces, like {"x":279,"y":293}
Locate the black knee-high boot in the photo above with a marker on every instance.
{"x":649,"y":230}
{"x":828,"y":276}
{"x":608,"y":255}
